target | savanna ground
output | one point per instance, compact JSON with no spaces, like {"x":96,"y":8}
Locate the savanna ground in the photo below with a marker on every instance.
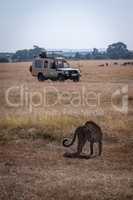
{"x":32,"y":161}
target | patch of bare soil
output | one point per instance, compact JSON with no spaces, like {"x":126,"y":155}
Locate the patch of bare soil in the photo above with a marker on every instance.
{"x":42,"y":170}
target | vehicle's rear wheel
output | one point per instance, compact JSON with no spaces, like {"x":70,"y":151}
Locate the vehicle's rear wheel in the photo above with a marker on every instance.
{"x":61,"y":77}
{"x":30,"y":69}
{"x":76,"y":79}
{"x":40,"y":77}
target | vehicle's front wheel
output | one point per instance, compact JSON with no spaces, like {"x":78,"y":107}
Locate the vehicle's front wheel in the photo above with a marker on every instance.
{"x":76,"y":79}
{"x":40,"y":77}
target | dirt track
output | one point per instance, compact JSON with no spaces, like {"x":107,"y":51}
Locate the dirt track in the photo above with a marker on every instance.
{"x":38,"y":170}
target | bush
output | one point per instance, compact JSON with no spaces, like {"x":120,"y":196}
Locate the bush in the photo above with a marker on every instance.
{"x":4,"y":60}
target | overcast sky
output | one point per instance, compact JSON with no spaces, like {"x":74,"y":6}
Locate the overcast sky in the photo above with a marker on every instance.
{"x":65,"y":23}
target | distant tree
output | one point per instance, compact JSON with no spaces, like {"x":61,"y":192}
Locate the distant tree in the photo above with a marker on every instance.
{"x":130,"y":54}
{"x":117,"y":51}
{"x":88,"y":55}
{"x":4,"y":60}
{"x":77,"y":55}
{"x":27,"y":54}
{"x":95,"y":52}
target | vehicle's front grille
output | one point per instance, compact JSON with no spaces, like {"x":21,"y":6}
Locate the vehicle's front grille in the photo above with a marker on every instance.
{"x":73,"y":72}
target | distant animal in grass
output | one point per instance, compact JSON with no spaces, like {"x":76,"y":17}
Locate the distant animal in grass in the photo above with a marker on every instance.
{"x":115,"y":63}
{"x":102,"y":65}
{"x":90,"y":132}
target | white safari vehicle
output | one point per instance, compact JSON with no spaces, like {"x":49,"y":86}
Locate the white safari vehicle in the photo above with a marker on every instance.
{"x":54,"y":69}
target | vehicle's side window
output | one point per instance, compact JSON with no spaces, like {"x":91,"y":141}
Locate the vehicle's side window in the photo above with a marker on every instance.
{"x":53,"y":65}
{"x":38,"y":64}
{"x":45,"y":64}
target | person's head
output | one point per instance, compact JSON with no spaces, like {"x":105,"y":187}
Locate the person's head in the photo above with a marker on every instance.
{"x":43,"y":54}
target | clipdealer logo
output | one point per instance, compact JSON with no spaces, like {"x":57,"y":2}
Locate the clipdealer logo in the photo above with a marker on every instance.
{"x":26,"y":98}
{"x":122,"y":95}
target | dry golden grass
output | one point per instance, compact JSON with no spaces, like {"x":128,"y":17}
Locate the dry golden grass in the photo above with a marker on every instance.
{"x":32,"y":165}
{"x":101,"y":80}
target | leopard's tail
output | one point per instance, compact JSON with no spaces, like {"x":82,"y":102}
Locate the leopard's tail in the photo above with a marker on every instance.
{"x":66,"y":142}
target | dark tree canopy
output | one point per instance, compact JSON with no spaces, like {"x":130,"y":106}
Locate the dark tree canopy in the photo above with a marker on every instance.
{"x":4,"y":60}
{"x":114,"y":51}
{"x":26,"y":55}
{"x":117,"y":51}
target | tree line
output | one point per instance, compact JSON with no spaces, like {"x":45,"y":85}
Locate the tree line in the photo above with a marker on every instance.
{"x":22,"y":55}
{"x":117,"y":50}
{"x":114,"y":51}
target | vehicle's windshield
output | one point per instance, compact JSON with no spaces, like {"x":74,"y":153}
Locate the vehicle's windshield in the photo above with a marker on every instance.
{"x":66,"y":65}
{"x":63,"y":64}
